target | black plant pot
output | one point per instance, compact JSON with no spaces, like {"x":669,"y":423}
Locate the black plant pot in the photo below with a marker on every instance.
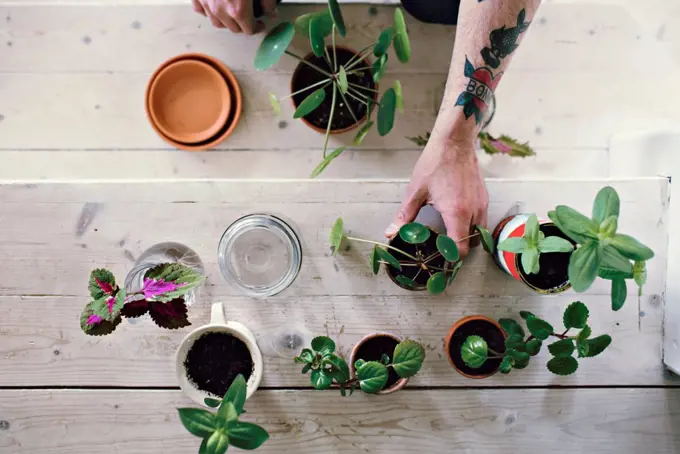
{"x":424,"y":250}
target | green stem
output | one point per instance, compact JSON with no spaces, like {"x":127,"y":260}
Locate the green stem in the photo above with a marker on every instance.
{"x":330,"y":120}
{"x":347,"y":104}
{"x":305,"y":89}
{"x":359,"y":60}
{"x":362,"y":87}
{"x":387,"y":246}
{"x":468,"y":237}
{"x":431,"y":257}
{"x":335,"y":56}
{"x":327,"y":56}
{"x":302,"y":60}
{"x":357,"y":93}
{"x":356,"y":55}
{"x":358,"y":99}
{"x":495,"y":352}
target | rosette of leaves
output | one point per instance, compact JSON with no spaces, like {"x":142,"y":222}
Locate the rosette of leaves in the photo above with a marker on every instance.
{"x":532,"y":244}
{"x":602,"y":251}
{"x":223,"y":429}
{"x":491,"y":145}
{"x":317,"y":28}
{"x":162,"y":296}
{"x":519,"y":348}
{"x":416,"y":234}
{"x":329,"y":369}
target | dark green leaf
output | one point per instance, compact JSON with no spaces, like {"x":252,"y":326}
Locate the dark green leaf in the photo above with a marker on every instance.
{"x":575,"y":315}
{"x":436,"y":284}
{"x":372,"y":377}
{"x":212,"y":403}
{"x":327,"y":160}
{"x":339,"y":370}
{"x":619,"y":293}
{"x":306,"y":368}
{"x":540,"y":329}
{"x":574,"y":224}
{"x":631,"y":248}
{"x":414,"y":233}
{"x":388,"y":258}
{"x":584,"y":333}
{"x":487,"y":240}
{"x":198,"y":422}
{"x":400,"y":96}
{"x":583,"y":266}
{"x":384,"y":41}
{"x":582,"y":341}
{"x":310,"y":103}
{"x":385,"y":359}
{"x":217,"y":443}
{"x":388,"y":104}
{"x":511,"y":327}
{"x":246,"y":435}
{"x":526,"y":315}
{"x":227,"y":412}
{"x":317,"y":37}
{"x":274,"y":45}
{"x":533,"y":347}
{"x":529,"y":258}
{"x":474,"y":352}
{"x":454,"y":272}
{"x":515,"y":342}
{"x":336,"y":14}
{"x":321,"y":379}
{"x":306,"y":356}
{"x":555,"y":244}
{"x":236,"y":394}
{"x":606,"y":204}
{"x":506,"y":365}
{"x":448,"y":248}
{"x":378,"y":68}
{"x":515,"y":245}
{"x":324,"y":345}
{"x":403,"y":280}
{"x":408,"y":358}
{"x":102,"y":283}
{"x":337,"y":235}
{"x":563,"y":365}
{"x":563,"y":347}
{"x":359,"y":363}
{"x":520,"y":359}
{"x":598,"y":344}
{"x":374,"y":260}
{"x":302,"y":23}
{"x":402,"y":44}
{"x":363,"y":131}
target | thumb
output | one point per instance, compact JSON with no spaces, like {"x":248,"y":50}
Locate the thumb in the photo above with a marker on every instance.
{"x":457,"y":227}
{"x":407,"y":213}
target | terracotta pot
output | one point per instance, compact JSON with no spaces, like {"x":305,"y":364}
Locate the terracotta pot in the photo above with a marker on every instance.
{"x":230,"y":89}
{"x":353,"y":357}
{"x":453,"y":330}
{"x":296,"y":73}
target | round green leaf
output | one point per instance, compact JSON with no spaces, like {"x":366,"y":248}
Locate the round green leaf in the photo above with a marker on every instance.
{"x":575,"y":315}
{"x":563,"y":365}
{"x":563,"y":347}
{"x":374,"y":260}
{"x":212,"y":403}
{"x":555,"y":244}
{"x":236,"y":394}
{"x":474,"y":352}
{"x":506,"y":365}
{"x":487,"y":240}
{"x":324,"y":345}
{"x":540,"y":329}
{"x":408,"y":358}
{"x":372,"y":376}
{"x":274,"y":45}
{"x":246,"y":435}
{"x":400,"y":96}
{"x":515,"y":245}
{"x":384,"y":41}
{"x":388,"y":258}
{"x":378,"y":68}
{"x":515,"y":342}
{"x":448,"y":248}
{"x":303,"y":21}
{"x":583,"y":266}
{"x":533,"y":347}
{"x":530,"y":263}
{"x":321,"y":379}
{"x":402,"y":44}
{"x":597,"y":345}
{"x":631,"y":248}
{"x":436,"y":284}
{"x":363,"y":131}
{"x":386,"y":110}
{"x":327,"y":160}
{"x":310,"y":103}
{"x":217,"y":443}
{"x":342,"y":80}
{"x":337,"y":235}
{"x":336,"y":15}
{"x":403,"y":280}
{"x":520,"y":360}
{"x":316,"y":37}
{"x":414,"y":233}
{"x":200,"y":423}
{"x":606,"y":204}
{"x":511,"y":327}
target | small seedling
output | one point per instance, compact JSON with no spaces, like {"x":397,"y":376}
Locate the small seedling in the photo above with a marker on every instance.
{"x":223,"y":429}
{"x":327,"y":368}
{"x":519,"y":349}
{"x":532,"y":244}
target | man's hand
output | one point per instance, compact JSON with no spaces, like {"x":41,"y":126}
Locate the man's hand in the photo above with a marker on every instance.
{"x":236,"y":15}
{"x":447,"y":177}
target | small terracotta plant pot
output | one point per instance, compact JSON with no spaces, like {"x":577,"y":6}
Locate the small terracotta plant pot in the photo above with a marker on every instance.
{"x":193,"y":102}
{"x":489,"y":329}
{"x":343,"y":121}
{"x":371,"y":348}
{"x":553,"y":276}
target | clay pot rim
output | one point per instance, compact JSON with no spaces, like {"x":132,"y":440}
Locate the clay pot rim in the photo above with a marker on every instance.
{"x":393,"y":278}
{"x":332,"y":131}
{"x":352,"y":358}
{"x":236,"y":96}
{"x":452,"y":331}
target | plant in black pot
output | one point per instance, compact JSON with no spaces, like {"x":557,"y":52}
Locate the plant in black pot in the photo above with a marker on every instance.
{"x":335,"y":88}
{"x":418,"y":258}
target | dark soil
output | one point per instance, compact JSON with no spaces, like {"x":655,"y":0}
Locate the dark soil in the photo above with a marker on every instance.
{"x":305,"y":76}
{"x":487,"y":331}
{"x":553,"y":275}
{"x":373,"y":349}
{"x":215,"y":360}
{"x":421,"y":250}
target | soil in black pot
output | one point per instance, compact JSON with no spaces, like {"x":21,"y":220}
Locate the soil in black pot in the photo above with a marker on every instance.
{"x":373,"y":349}
{"x":553,"y":275}
{"x":421,"y":250}
{"x":305,"y":76}
{"x":215,"y":360}
{"x":487,"y":331}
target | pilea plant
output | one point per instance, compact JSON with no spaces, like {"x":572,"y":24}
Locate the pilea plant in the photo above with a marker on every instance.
{"x":162,"y":296}
{"x":491,"y":145}
{"x":223,"y":429}
{"x":371,"y":376}
{"x":532,"y":244}
{"x":416,"y":234}
{"x":602,"y":251}
{"x":339,"y":78}
{"x":519,"y":348}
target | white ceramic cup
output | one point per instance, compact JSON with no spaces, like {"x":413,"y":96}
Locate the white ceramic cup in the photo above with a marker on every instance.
{"x":218,"y":324}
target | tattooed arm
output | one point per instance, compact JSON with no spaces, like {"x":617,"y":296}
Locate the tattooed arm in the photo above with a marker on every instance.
{"x":447,"y":175}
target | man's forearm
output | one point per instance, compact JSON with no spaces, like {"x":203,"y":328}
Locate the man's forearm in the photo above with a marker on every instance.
{"x":487,"y":36}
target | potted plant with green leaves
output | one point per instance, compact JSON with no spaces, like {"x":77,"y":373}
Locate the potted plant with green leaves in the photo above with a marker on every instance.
{"x":534,"y":252}
{"x":417,"y":258}
{"x":381,"y":363}
{"x":223,"y":429}
{"x":335,"y":88}
{"x":478,"y":352}
{"x":162,"y":296}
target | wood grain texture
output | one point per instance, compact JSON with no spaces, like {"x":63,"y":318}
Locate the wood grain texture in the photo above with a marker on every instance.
{"x":307,"y":422}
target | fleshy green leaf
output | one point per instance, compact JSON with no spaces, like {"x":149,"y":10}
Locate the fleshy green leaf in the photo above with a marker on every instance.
{"x":597,"y":345}
{"x":337,"y":235}
{"x":606,"y":204}
{"x":531,"y":230}
{"x":402,"y":44}
{"x":324,"y":345}
{"x":539,"y":328}
{"x":102,"y":283}
{"x":336,"y":15}
{"x":310,"y":103}
{"x":212,"y":403}
{"x":400,"y":96}
{"x":408,"y":358}
{"x":533,"y":347}
{"x":436,"y":284}
{"x":236,"y":394}
{"x":563,"y":347}
{"x":520,"y":359}
{"x":583,"y":266}
{"x":184,"y":277}
{"x":506,"y":365}
{"x":384,"y":41}
{"x":342,"y":80}
{"x":555,"y":244}
{"x":388,"y":258}
{"x":619,"y":293}
{"x":609,"y":226}
{"x":575,"y":315}
{"x":530,"y":263}
{"x":474,"y":352}
{"x":515,"y":342}
{"x":563,"y":365}
{"x":363,"y":131}
{"x":317,"y":37}
{"x":200,"y":423}
{"x":574,"y":224}
{"x":403,"y":280}
{"x":338,"y":368}
{"x":321,"y":379}
{"x":276,"y":107}
{"x":448,"y":248}
{"x":511,"y":327}
{"x":302,"y":23}
{"x":374,"y":260}
{"x":386,"y":110}
{"x":487,"y":240}
{"x":631,"y":248}
{"x":326,"y":161}
{"x":246,"y":435}
{"x":274,"y":45}
{"x":372,"y":376}
{"x":515,"y":245}
{"x":217,"y":443}
{"x":414,"y":233}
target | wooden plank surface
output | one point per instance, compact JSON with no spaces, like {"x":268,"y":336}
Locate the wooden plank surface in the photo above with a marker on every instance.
{"x":44,"y":270}
{"x":561,"y":421}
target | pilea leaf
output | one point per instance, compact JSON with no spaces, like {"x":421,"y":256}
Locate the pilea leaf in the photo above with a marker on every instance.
{"x":274,"y":45}
{"x":436,"y":284}
{"x":326,"y":161}
{"x":448,"y":248}
{"x":414,"y":233}
{"x":310,"y":103}
{"x":388,"y":258}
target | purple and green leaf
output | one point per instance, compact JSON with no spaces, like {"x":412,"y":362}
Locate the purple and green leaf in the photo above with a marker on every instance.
{"x":109,"y":307}
{"x":102,"y":283}
{"x":169,"y":281}
{"x":94,"y":325}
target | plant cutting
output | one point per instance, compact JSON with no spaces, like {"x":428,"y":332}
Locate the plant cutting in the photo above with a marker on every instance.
{"x":404,"y":360}
{"x":518,"y":348}
{"x":223,"y":429}
{"x":344,"y":82}
{"x":418,"y":258}
{"x":602,"y":251}
{"x":162,"y":297}
{"x":503,"y":144}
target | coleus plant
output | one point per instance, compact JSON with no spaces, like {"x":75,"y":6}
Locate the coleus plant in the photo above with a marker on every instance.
{"x":161,"y":296}
{"x":223,"y":429}
{"x":602,"y":251}
{"x":532,"y":244}
{"x":327,"y":368}
{"x":416,"y":234}
{"x":519,"y":348}
{"x":503,"y":144}
{"x":317,"y":27}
